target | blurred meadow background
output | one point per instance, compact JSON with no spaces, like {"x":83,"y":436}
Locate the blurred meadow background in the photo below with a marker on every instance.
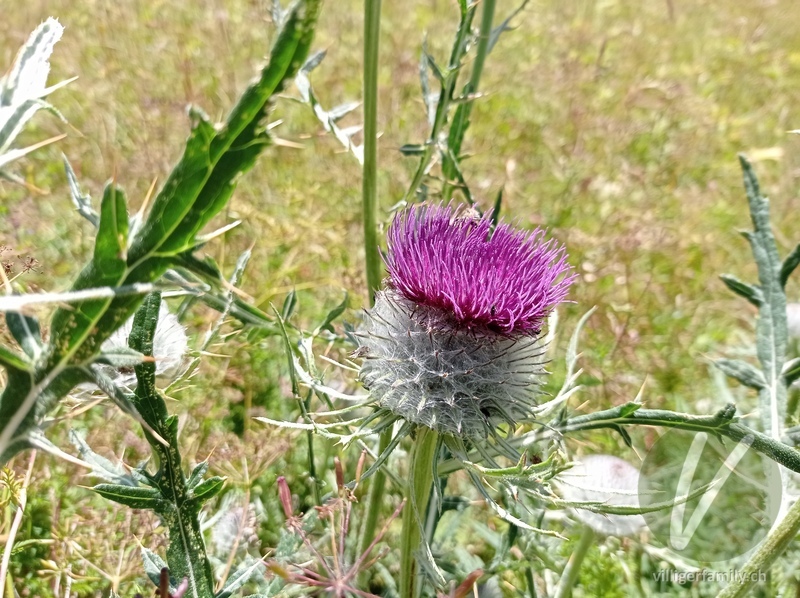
{"x":615,"y":124}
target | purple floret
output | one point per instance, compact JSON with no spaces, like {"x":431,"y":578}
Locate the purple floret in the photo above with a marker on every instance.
{"x":506,"y":281}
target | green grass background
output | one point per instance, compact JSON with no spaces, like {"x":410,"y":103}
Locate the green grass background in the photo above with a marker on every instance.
{"x":615,"y":124}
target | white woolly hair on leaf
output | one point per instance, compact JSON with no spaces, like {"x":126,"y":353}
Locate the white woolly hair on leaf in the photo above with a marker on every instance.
{"x":170,"y":348}
{"x":421,"y":367}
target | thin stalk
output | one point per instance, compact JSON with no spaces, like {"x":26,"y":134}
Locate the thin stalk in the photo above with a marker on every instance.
{"x":771,"y":548}
{"x":443,"y":105}
{"x":12,"y":533}
{"x":530,"y":582}
{"x":369,"y":197}
{"x":420,"y":482}
{"x":374,"y":501}
{"x":461,"y":119}
{"x":573,"y":567}
{"x":312,"y":469}
{"x":369,"y":189}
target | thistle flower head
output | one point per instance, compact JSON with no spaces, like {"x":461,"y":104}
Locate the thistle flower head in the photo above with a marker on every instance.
{"x":452,"y":343}
{"x":503,"y":280}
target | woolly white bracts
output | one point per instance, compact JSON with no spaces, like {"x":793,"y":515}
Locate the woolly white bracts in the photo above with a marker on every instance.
{"x":170,"y":348}
{"x":453,"y":380}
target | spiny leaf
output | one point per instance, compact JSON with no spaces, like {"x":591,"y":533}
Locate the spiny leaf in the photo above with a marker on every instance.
{"x":101,"y":466}
{"x":133,"y":497}
{"x":750,"y":292}
{"x":743,"y":372}
{"x":790,"y":264}
{"x":332,"y":315}
{"x":25,"y":330}
{"x":771,"y":328}
{"x":197,"y":474}
{"x":241,"y":576}
{"x":208,"y":489}
{"x":110,"y":249}
{"x":82,"y":201}
{"x":153,"y":564}
{"x":11,"y":360}
{"x":289,"y":305}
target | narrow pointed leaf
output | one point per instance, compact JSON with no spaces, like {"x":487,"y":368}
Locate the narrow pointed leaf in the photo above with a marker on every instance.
{"x":25,"y":330}
{"x":133,"y":497}
{"x":743,"y":372}
{"x":208,"y":489}
{"x":771,"y":328}
{"x":750,"y":292}
{"x":790,"y":264}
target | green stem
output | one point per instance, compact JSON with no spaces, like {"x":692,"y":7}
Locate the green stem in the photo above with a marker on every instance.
{"x":443,"y":105}
{"x":369,"y":194}
{"x":369,"y":190}
{"x":530,"y":582}
{"x":461,"y":119}
{"x":420,"y":482}
{"x":722,"y":423}
{"x":570,"y":575}
{"x":771,"y":548}
{"x":312,"y":468}
{"x":374,"y":501}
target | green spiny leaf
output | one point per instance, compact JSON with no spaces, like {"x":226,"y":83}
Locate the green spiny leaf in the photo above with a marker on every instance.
{"x":743,"y":372}
{"x":771,"y":328}
{"x":750,"y":292}
{"x":25,"y":330}
{"x":246,"y":570}
{"x":110,"y":249}
{"x":289,"y":305}
{"x":208,"y":489}
{"x":197,"y":475}
{"x":153,"y":564}
{"x":133,"y":497}
{"x":790,"y":264}
{"x":81,"y":200}
{"x":332,"y":315}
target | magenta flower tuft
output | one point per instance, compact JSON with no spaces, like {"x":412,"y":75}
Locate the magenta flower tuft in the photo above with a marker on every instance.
{"x":505,"y":281}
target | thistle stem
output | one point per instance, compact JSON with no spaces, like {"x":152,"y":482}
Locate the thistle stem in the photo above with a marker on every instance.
{"x":374,"y":501}
{"x":461,"y":119}
{"x":420,"y":482}
{"x":369,"y":189}
{"x":369,"y":193}
{"x":570,"y":575}
{"x":771,"y":548}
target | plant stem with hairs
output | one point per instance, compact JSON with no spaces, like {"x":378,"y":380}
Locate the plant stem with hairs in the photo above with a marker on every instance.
{"x":769,"y":551}
{"x":369,"y":190}
{"x":455,"y":136}
{"x":420,"y":482}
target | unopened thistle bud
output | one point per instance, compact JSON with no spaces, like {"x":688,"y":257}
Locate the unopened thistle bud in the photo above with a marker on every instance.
{"x":453,"y":343}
